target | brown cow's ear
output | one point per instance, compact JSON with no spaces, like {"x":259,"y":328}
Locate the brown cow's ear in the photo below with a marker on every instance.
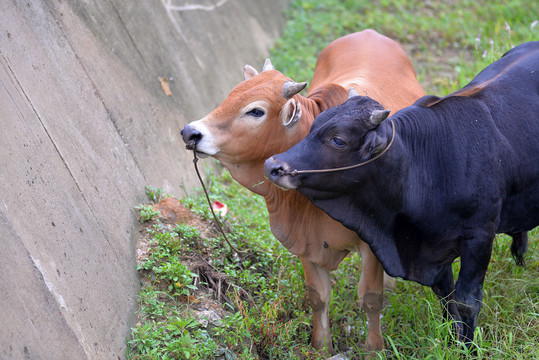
{"x":268,"y":65}
{"x":291,"y":113}
{"x":249,"y":72}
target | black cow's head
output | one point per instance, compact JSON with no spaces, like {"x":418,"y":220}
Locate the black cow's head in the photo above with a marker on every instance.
{"x":340,"y":136}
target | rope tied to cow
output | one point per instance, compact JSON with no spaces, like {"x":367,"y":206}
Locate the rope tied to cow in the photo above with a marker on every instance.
{"x":191,"y":146}
{"x":297,"y":172}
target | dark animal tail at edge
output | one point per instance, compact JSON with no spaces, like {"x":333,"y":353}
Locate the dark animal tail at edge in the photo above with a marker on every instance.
{"x":519,"y":247}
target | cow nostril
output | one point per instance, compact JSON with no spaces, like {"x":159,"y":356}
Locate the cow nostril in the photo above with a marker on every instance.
{"x":275,"y":169}
{"x":277,"y":172}
{"x":195,"y":137}
{"x":193,"y":140}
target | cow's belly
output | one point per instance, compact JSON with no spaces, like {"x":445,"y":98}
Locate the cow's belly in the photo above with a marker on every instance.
{"x":521,"y":214}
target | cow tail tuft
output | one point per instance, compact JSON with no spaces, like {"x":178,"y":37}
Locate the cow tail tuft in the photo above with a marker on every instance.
{"x":519,"y":247}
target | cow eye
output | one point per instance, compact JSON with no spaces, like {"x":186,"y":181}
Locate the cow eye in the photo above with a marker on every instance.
{"x":338,"y":142}
{"x":255,"y":112}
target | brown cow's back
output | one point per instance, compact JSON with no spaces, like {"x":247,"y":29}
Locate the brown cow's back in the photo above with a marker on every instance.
{"x":374,"y":64}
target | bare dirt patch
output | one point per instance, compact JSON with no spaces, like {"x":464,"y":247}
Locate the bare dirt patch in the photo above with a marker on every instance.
{"x":212,"y":284}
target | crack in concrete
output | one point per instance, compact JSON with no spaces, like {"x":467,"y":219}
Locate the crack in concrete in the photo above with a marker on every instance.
{"x":171,"y":9}
{"x":100,"y":97}
{"x":189,"y":7}
{"x":51,"y":288}
{"x":49,"y":284}
{"x":19,"y":85}
{"x":73,"y":325}
{"x":79,"y":333}
{"x":129,"y":34}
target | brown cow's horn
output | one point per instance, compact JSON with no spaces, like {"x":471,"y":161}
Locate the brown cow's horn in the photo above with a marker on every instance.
{"x":291,"y":88}
{"x":377,"y":116}
{"x":249,"y":72}
{"x":352,"y":92}
{"x":268,"y":65}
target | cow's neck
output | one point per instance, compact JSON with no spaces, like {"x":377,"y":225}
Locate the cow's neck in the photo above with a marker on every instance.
{"x":371,"y":207}
{"x":323,"y":97}
{"x":289,"y":214}
{"x":281,"y":204}
{"x":251,"y":176}
{"x":285,"y":221}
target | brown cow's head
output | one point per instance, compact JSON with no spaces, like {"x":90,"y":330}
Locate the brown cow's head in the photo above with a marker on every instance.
{"x":259,"y":118}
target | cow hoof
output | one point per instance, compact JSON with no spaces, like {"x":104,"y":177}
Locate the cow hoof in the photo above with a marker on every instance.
{"x":375,"y":345}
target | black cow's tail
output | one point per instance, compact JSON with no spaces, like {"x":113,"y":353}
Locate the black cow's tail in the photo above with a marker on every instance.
{"x":519,"y":247}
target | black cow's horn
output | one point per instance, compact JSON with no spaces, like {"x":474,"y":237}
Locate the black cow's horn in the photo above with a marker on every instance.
{"x":291,"y":88}
{"x":377,"y":116}
{"x":352,"y":92}
{"x":268,"y":65}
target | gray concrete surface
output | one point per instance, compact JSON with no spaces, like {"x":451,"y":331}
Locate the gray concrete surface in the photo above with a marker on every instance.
{"x":84,"y":126}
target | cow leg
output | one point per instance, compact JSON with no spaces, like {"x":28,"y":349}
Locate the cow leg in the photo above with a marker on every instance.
{"x":371,"y":296}
{"x":475,"y":256}
{"x":444,"y":288}
{"x":319,"y":295}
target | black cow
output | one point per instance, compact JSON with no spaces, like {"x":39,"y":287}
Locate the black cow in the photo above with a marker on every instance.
{"x":441,"y":177}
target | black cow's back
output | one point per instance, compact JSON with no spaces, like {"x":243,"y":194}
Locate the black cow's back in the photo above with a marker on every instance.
{"x":508,"y":71}
{"x":506,"y":93}
{"x":510,"y":89}
{"x":476,"y":153}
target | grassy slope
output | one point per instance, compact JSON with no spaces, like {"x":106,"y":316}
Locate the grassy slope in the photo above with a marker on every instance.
{"x":272,"y":321}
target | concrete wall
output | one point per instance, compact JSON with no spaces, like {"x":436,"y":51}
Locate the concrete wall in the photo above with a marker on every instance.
{"x":84,"y":126}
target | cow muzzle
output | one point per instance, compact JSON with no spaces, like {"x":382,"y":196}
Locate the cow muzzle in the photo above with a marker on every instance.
{"x":195,"y":139}
{"x":191,"y":137}
{"x":279,"y":173}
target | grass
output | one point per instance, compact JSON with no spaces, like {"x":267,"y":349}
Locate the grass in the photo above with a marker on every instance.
{"x":264,"y":313}
{"x":440,"y":36}
{"x":267,"y":309}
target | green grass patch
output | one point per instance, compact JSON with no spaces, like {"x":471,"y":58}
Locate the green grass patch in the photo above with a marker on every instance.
{"x":267,"y":315}
{"x":263,"y":310}
{"x":449,"y":42}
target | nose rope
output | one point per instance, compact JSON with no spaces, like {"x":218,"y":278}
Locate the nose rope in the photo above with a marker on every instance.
{"x":298,"y":172}
{"x":192,"y":146}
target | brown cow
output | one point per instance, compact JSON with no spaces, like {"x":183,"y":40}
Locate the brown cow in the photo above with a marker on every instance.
{"x":264,"y":115}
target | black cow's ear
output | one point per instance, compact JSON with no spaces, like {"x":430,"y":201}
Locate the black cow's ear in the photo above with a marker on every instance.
{"x":291,"y":113}
{"x":373,"y":145}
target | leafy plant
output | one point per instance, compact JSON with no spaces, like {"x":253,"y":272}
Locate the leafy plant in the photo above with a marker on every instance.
{"x":155,"y":194}
{"x":147,"y":212}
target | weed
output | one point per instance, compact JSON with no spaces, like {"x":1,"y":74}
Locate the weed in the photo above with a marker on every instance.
{"x":155,"y":194}
{"x":147,"y":212}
